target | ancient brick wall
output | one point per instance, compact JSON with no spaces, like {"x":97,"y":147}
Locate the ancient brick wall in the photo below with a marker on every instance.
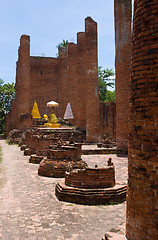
{"x":123,"y":10}
{"x":108,"y":119}
{"x":91,"y":177}
{"x":80,"y":69}
{"x":71,"y":78}
{"x":142,"y":197}
{"x":44,"y":82}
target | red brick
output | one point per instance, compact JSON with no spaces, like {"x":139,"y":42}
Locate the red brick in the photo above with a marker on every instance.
{"x":143,"y":151}
{"x":123,"y":12}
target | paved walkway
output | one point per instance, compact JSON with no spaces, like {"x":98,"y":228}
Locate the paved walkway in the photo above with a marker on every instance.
{"x":30,"y":210}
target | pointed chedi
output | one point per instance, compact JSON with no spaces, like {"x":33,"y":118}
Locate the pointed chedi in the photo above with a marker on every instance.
{"x":35,"y":112}
{"x":68,"y":112}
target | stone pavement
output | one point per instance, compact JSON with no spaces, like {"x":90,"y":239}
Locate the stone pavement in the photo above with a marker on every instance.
{"x":30,"y":210}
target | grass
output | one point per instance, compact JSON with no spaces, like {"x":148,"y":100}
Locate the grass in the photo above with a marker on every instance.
{"x":106,"y":204}
{"x":7,"y":141}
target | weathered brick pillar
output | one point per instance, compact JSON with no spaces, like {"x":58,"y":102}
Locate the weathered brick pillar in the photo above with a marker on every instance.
{"x":142,"y":195}
{"x":92,"y":88}
{"x":123,"y":13}
{"x":62,"y":81}
{"x":81,"y":73}
{"x":23,"y":83}
{"x":72,"y":79}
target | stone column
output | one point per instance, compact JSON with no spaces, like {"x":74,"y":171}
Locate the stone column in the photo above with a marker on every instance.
{"x":142,"y":194}
{"x":123,"y":11}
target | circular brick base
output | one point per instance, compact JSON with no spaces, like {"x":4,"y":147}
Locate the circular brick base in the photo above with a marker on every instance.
{"x":35,"y":159}
{"x":112,"y":195}
{"x":57,"y":168}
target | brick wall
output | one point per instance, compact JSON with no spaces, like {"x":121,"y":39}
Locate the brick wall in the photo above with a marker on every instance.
{"x":123,"y":12}
{"x":142,"y":196}
{"x":44,"y":82}
{"x":108,"y":119}
{"x":91,"y":177}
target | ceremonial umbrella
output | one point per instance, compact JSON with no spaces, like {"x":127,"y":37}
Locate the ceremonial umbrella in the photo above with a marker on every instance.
{"x":52,"y":104}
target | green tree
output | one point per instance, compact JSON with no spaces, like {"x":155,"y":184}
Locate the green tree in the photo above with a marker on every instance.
{"x":105,"y":80}
{"x":110,"y":96}
{"x":64,"y":44}
{"x":7,"y":94}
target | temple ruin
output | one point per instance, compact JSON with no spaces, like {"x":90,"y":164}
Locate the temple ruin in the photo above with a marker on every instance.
{"x":142,"y":110}
{"x":70,"y":78}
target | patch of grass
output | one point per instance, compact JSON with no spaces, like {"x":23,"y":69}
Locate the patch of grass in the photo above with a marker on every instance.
{"x":106,"y":204}
{"x":7,"y":141}
{"x":69,"y":205}
{"x":38,"y":57}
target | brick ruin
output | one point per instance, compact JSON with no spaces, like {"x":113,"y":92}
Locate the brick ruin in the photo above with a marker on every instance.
{"x":71,"y":78}
{"x":91,"y":178}
{"x":142,"y":111}
{"x":91,"y":186}
{"x":39,"y":139}
{"x":108,"y":119}
{"x":142,"y":193}
{"x":59,"y":159}
{"x":123,"y":17}
{"x":36,"y":141}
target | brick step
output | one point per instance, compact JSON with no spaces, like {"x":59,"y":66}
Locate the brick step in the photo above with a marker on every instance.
{"x":99,"y":151}
{"x":103,"y":196}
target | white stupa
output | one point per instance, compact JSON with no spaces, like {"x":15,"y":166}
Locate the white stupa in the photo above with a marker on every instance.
{"x":68,"y":112}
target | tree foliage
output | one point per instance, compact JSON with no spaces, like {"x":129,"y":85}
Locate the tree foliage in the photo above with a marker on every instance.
{"x":64,"y":44}
{"x":105,"y":81}
{"x":110,"y":96}
{"x":7,"y":94}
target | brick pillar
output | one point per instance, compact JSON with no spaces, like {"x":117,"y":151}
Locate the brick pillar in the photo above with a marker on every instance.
{"x":81,"y":73}
{"x":72,"y":79}
{"x":63,"y":81}
{"x":23,"y":84}
{"x":123,"y":10}
{"x":142,"y":195}
{"x":92,"y":91}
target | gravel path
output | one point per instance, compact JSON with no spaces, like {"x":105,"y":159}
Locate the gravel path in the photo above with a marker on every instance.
{"x":30,"y":210}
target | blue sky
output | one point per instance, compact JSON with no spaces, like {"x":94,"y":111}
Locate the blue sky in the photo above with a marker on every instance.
{"x":48,"y":22}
